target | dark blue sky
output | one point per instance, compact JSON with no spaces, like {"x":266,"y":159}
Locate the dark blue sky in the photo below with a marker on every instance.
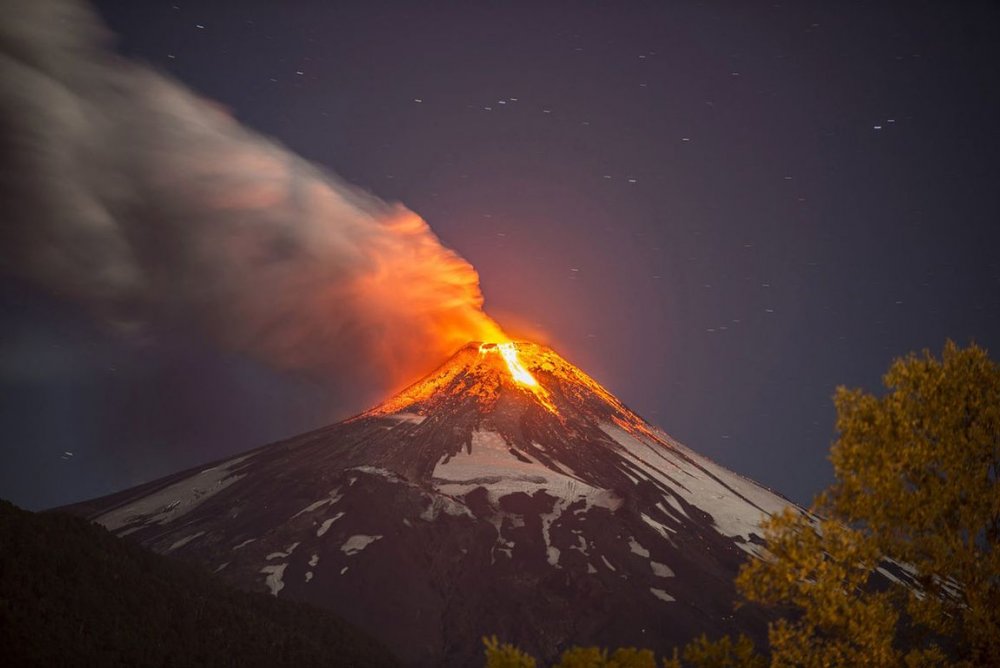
{"x":721,"y":211}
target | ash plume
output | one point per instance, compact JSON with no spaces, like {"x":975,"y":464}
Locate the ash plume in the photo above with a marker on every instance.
{"x":126,"y":192}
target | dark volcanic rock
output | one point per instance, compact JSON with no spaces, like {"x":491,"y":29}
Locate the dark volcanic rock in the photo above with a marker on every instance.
{"x":470,"y":504}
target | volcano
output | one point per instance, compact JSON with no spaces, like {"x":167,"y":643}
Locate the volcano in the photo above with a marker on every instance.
{"x":505,"y":493}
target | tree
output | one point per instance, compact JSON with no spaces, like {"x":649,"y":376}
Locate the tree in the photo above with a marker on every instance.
{"x":916,"y":494}
{"x":821,"y":570}
{"x":505,"y":655}
{"x":722,"y":653}
{"x":593,"y":657}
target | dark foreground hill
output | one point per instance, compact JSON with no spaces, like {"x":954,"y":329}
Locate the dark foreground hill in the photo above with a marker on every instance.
{"x":73,"y":594}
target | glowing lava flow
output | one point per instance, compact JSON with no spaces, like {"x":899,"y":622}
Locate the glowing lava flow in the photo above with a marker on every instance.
{"x":480,"y":371}
{"x":520,"y":374}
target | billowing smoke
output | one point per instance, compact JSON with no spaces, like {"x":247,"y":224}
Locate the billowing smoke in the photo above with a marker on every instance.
{"x":126,"y":192}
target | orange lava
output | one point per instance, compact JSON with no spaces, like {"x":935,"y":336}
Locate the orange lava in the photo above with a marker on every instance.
{"x":508,"y":350}
{"x":478,"y":371}
{"x":481,"y":371}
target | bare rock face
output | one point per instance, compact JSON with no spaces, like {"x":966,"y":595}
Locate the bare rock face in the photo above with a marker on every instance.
{"x":506,"y":493}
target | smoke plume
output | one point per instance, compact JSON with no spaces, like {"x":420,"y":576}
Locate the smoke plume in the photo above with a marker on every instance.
{"x":128,"y":193}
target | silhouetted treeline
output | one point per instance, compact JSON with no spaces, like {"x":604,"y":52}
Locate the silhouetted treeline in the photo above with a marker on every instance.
{"x":73,"y":594}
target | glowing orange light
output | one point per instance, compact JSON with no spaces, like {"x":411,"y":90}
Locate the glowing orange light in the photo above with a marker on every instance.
{"x":517,"y":370}
{"x":520,"y":374}
{"x":481,"y":371}
{"x":419,"y":300}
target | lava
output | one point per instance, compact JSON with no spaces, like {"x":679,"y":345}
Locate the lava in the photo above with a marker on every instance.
{"x":521,"y":376}
{"x":480,"y":372}
{"x":509,"y":353}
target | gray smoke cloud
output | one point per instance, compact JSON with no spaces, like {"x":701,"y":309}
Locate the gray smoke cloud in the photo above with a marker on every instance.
{"x":123,"y":190}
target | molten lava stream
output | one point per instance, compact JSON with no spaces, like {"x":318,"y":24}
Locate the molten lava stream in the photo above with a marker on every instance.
{"x":522,"y":377}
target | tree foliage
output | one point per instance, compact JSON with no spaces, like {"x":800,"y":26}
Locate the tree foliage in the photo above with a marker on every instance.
{"x":593,"y":657}
{"x":505,"y":655}
{"x":822,"y":571}
{"x":916,"y":494}
{"x":722,"y":653}
{"x":701,"y":653}
{"x":917,"y":472}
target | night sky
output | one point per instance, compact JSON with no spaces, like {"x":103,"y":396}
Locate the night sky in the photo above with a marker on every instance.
{"x":721,"y":211}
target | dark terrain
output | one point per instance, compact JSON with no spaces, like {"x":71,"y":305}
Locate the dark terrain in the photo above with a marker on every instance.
{"x":72,"y":594}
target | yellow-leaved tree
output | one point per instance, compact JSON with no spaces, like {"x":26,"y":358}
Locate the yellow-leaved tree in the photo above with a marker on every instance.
{"x":917,"y":485}
{"x":505,"y":655}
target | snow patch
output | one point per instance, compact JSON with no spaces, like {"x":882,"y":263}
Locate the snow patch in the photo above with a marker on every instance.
{"x":632,"y":478}
{"x":333,"y":498}
{"x":560,"y":468}
{"x":244,"y":543}
{"x":313,"y":560}
{"x":412,"y":418}
{"x":281,"y":555}
{"x":502,"y":545}
{"x":636,"y":548}
{"x":608,"y":564}
{"x":325,"y":526}
{"x":491,"y":464}
{"x":661,"y":570}
{"x":343,"y":570}
{"x":375,"y":470}
{"x":273,"y":579}
{"x":176,"y":500}
{"x":737,"y":505}
{"x":184,"y":541}
{"x":673,"y":504}
{"x":888,"y":574}
{"x":551,"y":551}
{"x":309,"y":576}
{"x":287,"y":553}
{"x":356,"y":543}
{"x":661,"y":529}
{"x":441,"y":503}
{"x":662,"y":595}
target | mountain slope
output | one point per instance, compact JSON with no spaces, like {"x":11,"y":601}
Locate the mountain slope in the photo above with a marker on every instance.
{"x":507,"y":493}
{"x":72,"y":594}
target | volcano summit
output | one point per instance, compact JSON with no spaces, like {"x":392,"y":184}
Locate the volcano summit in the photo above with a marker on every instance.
{"x":505,"y":493}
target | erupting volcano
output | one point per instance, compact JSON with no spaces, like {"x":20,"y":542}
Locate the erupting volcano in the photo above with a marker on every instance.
{"x":505,"y":493}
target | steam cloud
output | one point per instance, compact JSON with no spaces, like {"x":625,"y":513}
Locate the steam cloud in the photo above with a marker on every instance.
{"x":125,"y":191}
